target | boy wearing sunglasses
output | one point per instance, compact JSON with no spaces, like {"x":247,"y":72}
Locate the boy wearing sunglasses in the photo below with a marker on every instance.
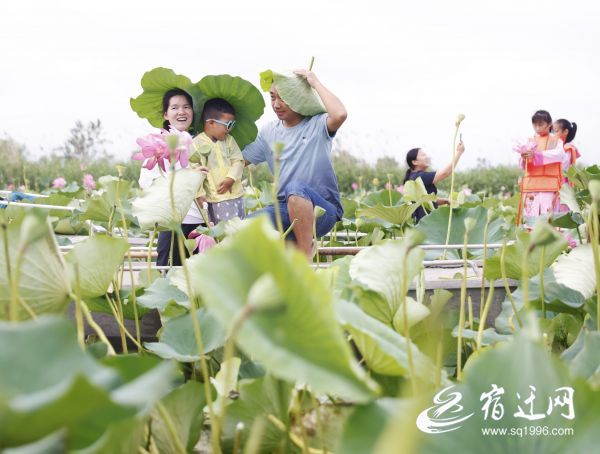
{"x":217,"y":151}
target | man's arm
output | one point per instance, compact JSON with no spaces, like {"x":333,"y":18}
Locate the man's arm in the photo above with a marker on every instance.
{"x":336,"y":112}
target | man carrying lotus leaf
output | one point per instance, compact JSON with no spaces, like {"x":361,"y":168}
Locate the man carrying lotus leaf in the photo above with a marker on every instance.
{"x":306,"y":175}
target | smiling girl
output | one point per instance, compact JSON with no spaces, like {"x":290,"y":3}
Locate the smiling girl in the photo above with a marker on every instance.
{"x":178,"y":113}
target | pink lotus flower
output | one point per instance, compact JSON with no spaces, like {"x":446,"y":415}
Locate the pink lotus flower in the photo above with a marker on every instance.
{"x":155,"y":148}
{"x":572,"y":242}
{"x":59,"y":183}
{"x":88,"y":181}
{"x":354,"y":186}
{"x":467,"y":191}
{"x":203,"y":242}
{"x":400,"y":189}
{"x":388,"y":186}
{"x":529,"y":147}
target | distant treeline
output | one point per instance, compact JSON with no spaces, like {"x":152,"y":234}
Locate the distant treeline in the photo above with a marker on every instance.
{"x":85,"y":152}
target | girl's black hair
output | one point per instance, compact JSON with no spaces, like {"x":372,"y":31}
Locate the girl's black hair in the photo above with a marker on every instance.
{"x":410,"y":157}
{"x":570,"y":127}
{"x":542,"y":116}
{"x":167,"y":98}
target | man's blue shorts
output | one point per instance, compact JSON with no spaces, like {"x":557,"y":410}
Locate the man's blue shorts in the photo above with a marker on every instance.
{"x":324,"y":223}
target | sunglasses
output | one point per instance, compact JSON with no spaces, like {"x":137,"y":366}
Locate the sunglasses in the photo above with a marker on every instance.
{"x":228,"y":124}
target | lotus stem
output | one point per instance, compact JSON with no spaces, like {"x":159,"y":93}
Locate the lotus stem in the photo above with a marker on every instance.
{"x":403,"y":291}
{"x":164,"y":414}
{"x":274,"y":191}
{"x":461,"y":318}
{"x":119,"y":316}
{"x":149,"y":256}
{"x":123,"y":329}
{"x":506,"y":287}
{"x":228,"y":350}
{"x":90,"y":320}
{"x":195,"y":324}
{"x":133,"y":300}
{"x":78,"y":311}
{"x":451,"y":189}
{"x":525,"y":277}
{"x":4,"y":227}
{"x":312,"y":62}
{"x":482,"y":296}
{"x":483,"y":315}
{"x":542,"y":281}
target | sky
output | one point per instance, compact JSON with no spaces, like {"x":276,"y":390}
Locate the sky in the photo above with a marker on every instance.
{"x":404,"y":70}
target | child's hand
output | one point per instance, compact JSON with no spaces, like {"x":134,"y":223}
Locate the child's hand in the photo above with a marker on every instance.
{"x":200,"y":168}
{"x":225,"y":185}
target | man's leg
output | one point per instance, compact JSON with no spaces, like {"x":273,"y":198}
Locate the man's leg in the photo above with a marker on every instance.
{"x":301,"y":211}
{"x":301,"y":201}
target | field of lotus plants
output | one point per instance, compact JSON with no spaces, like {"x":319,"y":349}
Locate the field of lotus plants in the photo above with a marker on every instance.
{"x":261,"y":351}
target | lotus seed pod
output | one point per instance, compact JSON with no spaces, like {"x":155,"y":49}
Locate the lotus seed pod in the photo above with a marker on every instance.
{"x":459,"y":119}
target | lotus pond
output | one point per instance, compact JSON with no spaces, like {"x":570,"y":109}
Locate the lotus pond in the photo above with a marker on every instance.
{"x":261,"y":351}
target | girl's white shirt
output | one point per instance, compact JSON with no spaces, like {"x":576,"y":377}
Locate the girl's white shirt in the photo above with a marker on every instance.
{"x":193,"y":216}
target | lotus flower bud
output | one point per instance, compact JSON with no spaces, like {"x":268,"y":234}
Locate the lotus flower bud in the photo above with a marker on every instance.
{"x":277,"y":148}
{"x":172,"y":141}
{"x":470,"y":224}
{"x":594,"y":188}
{"x":459,"y":119}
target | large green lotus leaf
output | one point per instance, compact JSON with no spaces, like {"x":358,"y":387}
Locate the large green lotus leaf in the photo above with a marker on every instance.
{"x":97,"y":259}
{"x":43,"y":279}
{"x":74,"y":392}
{"x":435,"y":226}
{"x":155,"y":84}
{"x":383,"y":349}
{"x":154,"y":205}
{"x":558,"y":298}
{"x":184,"y":406}
{"x":365,"y":425}
{"x":160,"y":294}
{"x":584,"y":355}
{"x":397,"y":215}
{"x":295,"y":336}
{"x":258,"y":399}
{"x":57,"y":199}
{"x":245,"y":98}
{"x":178,"y":341}
{"x":125,"y":435}
{"x":515,"y":366}
{"x":381,"y":197}
{"x":385,"y":269}
{"x":294,"y":91}
{"x":414,"y":191}
{"x":576,"y":270}
{"x":513,"y":257}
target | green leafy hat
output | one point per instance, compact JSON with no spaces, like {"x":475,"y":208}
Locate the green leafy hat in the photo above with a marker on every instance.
{"x":155,"y":84}
{"x":294,"y":91}
{"x":245,"y":98}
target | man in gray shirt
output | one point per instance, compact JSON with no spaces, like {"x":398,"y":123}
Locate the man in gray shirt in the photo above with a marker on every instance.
{"x":306,"y":175}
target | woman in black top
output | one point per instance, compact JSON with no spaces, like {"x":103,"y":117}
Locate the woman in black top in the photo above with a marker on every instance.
{"x":418,"y":162}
